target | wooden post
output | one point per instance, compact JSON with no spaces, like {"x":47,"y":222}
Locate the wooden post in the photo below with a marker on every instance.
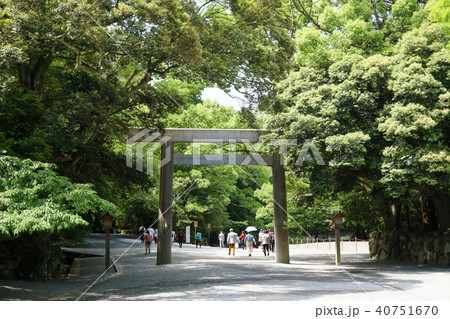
{"x":280,"y":211}
{"x":164,"y":253}
{"x":356,"y":244}
{"x":107,"y":225}
{"x":338,"y":245}
{"x":195,"y":231}
{"x":107,"y":246}
{"x":209,"y":234}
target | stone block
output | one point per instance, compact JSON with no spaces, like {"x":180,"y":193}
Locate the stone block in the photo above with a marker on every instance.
{"x":438,"y":245}
{"x":404,"y":255}
{"x":431,"y":258}
{"x":421,"y":257}
{"x":428,"y":244}
{"x":373,"y":250}
{"x":444,"y":260}
{"x":447,"y":248}
{"x":395,"y":253}
{"x":384,"y":255}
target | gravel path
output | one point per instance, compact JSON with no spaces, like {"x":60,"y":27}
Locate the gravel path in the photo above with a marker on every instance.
{"x":210,"y":274}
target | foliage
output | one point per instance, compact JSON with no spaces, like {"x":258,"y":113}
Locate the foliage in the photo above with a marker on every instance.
{"x":365,"y":81}
{"x":379,"y":120}
{"x":139,"y":208}
{"x":75,"y":75}
{"x":222,"y":196}
{"x":440,"y":11}
{"x":21,"y":129}
{"x":35,"y":199}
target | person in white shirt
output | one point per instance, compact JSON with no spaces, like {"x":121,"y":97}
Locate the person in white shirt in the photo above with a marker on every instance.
{"x":265,"y":240}
{"x":232,"y":238}
{"x":156,"y":236}
{"x":221,"y":239}
{"x":261,"y":233}
{"x":151,"y":231}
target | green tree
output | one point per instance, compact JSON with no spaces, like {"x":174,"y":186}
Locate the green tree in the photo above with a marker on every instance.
{"x":39,"y":211}
{"x":381,"y":124}
{"x":416,"y":122}
{"x":34,"y":198}
{"x":84,"y":71}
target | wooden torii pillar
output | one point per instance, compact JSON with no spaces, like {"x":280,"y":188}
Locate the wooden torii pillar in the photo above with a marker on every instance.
{"x":164,"y":252}
{"x":280,"y":211}
{"x":230,"y":136}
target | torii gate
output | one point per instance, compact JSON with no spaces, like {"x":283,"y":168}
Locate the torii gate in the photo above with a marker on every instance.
{"x":230,"y":136}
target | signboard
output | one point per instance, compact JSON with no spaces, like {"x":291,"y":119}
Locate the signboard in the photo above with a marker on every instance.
{"x":337,"y":220}
{"x":337,"y":225}
{"x":107,"y":221}
{"x":188,"y":234}
{"x":195,"y":223}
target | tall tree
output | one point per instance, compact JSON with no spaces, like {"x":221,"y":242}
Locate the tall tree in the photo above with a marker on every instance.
{"x":79,"y":73}
{"x":379,"y":120}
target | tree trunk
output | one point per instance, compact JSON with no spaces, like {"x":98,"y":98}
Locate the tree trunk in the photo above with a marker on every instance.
{"x":428,"y":213}
{"x":396,"y":213}
{"x":388,"y":220}
{"x":31,"y":76}
{"x":407,"y":216}
{"x":443,"y":215}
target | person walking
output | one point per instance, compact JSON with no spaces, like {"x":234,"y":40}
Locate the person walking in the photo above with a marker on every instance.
{"x":249,"y":240}
{"x":142,"y":232}
{"x":198,"y":239}
{"x":152,"y":231}
{"x":221,"y":239}
{"x":148,"y":241}
{"x":180,"y":238}
{"x":272,"y":240}
{"x":265,"y":240}
{"x":155,"y":236}
{"x":261,"y":233}
{"x":232,"y":239}
{"x":242,"y":239}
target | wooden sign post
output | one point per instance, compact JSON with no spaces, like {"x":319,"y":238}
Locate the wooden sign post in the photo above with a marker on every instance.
{"x":107,"y":225}
{"x":337,"y":225}
{"x":195,"y":229}
{"x":209,"y":234}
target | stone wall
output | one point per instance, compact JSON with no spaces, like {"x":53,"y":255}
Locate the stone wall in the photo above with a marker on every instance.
{"x":424,"y":248}
{"x":29,"y":258}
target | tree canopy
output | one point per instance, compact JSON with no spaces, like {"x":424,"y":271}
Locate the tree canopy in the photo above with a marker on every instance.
{"x":365,"y":82}
{"x":75,"y":75}
{"x":35,"y":199}
{"x":378,"y":111}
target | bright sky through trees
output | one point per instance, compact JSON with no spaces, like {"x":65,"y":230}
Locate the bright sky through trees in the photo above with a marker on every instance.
{"x":234,"y":98}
